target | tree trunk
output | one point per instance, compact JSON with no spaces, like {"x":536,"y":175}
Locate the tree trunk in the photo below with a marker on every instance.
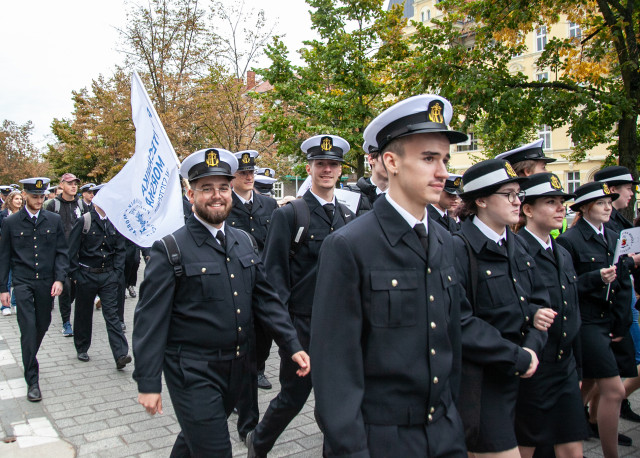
{"x":628,"y":153}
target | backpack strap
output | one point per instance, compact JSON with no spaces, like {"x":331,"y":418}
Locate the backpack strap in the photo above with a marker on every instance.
{"x":173,"y":253}
{"x":86,"y":224}
{"x":472,"y":288}
{"x":251,"y":238}
{"x":56,"y":206}
{"x":301,"y":221}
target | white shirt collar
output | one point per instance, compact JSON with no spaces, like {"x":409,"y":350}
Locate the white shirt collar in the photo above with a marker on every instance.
{"x":242,"y":199}
{"x":488,"y":232}
{"x":378,"y":190}
{"x":408,"y":217}
{"x":442,"y":213}
{"x":211,"y":228}
{"x":31,"y":215}
{"x":544,"y":244}
{"x":598,"y":231}
{"x":321,"y":200}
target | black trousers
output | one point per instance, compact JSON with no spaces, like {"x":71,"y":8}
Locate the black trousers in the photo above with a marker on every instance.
{"x":263,"y":346}
{"x":105,"y":285}
{"x":203,"y":394}
{"x":121,"y":298}
{"x":66,"y":298}
{"x":131,"y":264}
{"x":294,"y":392}
{"x":33,"y":301}
{"x":248,"y":413}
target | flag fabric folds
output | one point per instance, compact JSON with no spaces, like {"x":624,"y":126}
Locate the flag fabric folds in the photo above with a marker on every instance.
{"x":144,"y":200}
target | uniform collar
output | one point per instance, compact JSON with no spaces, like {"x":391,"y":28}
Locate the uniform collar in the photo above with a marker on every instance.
{"x":31,"y":215}
{"x":321,"y":200}
{"x":597,"y":231}
{"x":487,"y":231}
{"x":242,"y":199}
{"x":212,"y":229}
{"x":544,"y":244}
{"x":408,"y":217}
{"x":442,"y":213}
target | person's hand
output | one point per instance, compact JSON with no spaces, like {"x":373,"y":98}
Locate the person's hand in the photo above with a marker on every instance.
{"x":152,"y":402}
{"x":636,"y":258}
{"x":543,"y":319}
{"x":534,"y":364}
{"x":302,"y":359}
{"x":5,"y":299}
{"x":56,"y":289}
{"x":615,"y":339}
{"x":608,"y":274}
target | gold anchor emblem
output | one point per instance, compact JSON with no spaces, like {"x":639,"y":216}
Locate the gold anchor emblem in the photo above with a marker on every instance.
{"x":267,"y":173}
{"x":512,"y":173}
{"x":38,"y":184}
{"x":212,"y":158}
{"x":246,"y":158}
{"x":326,"y":144}
{"x":435,"y":113}
{"x":555,"y":183}
{"x":457,"y":181}
{"x":606,"y":189}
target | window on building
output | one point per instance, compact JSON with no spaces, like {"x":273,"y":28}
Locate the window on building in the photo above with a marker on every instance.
{"x":470,"y":145}
{"x":428,"y":15}
{"x":422,"y":16}
{"x":544,"y":132}
{"x":541,"y":38}
{"x":277,"y":190}
{"x":574,"y":30}
{"x":542,"y":76}
{"x":573,"y":181}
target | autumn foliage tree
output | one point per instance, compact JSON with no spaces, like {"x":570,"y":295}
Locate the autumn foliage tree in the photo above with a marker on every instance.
{"x":20,"y":158}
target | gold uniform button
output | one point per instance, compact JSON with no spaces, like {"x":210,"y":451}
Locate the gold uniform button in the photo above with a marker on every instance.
{"x":432,"y":410}
{"x":430,"y":417}
{"x":228,"y":260}
{"x":435,"y":380}
{"x":562,"y":352}
{"x":515,"y":281}
{"x":564,"y":334}
{"x":449,"y":277}
{"x":311,"y":237}
{"x":431,"y":298}
{"x":235,"y":293}
{"x":428,"y":270}
{"x":433,"y":352}
{"x":488,"y":272}
{"x":238,"y":311}
{"x":564,"y":287}
{"x":564,"y":317}
{"x":528,"y":264}
{"x":565,"y":302}
{"x":559,"y":357}
{"x":204,"y":269}
{"x":232,"y":276}
{"x":237,"y":353}
{"x":238,"y":347}
{"x":239,"y":329}
{"x":394,"y":282}
{"x":233,"y":223}
{"x":252,"y":229}
{"x":433,"y":325}
{"x":522,"y":298}
{"x":517,"y":373}
{"x":251,"y":217}
{"x":36,"y":246}
{"x":36,"y":263}
{"x":526,"y":318}
{"x":593,"y":259}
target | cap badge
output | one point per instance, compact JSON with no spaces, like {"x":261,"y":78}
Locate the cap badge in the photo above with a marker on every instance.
{"x":39,"y":184}
{"x":212,"y":159}
{"x":512,"y":173}
{"x":326,"y":144}
{"x":555,"y":183}
{"x":457,"y":182}
{"x":606,"y":189}
{"x":246,"y":158}
{"x":267,"y":173}
{"x":435,"y":112}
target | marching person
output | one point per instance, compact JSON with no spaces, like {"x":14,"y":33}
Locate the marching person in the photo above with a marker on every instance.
{"x":34,"y":247}
{"x":370,"y":188}
{"x":449,"y":199}
{"x":527,"y":159}
{"x":604,"y":293}
{"x":204,"y":285}
{"x":291,"y":259}
{"x":549,"y":410}
{"x":264,"y":179}
{"x":12,"y":204}
{"x":251,"y":212}
{"x":70,"y":208}
{"x":387,"y":342}
{"x":87,"y":193}
{"x":96,"y":256}
{"x":500,"y":344}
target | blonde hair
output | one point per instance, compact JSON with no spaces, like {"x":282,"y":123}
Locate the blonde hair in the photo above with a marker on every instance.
{"x":9,"y":199}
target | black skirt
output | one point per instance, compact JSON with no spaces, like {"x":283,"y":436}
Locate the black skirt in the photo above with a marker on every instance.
{"x":598,"y":360}
{"x":549,"y":410}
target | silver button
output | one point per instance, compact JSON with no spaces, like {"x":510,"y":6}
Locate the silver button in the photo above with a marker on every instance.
{"x":433,"y":352}
{"x":449,"y":277}
{"x":430,"y":417}
{"x":232,"y":276}
{"x":235,"y":293}
{"x":431,"y":298}
{"x":239,"y":329}
{"x":394,"y":282}
{"x":435,"y":380}
{"x":488,"y":272}
{"x":204,"y":269}
{"x":428,"y":270}
{"x":432,"y":410}
{"x":433,"y":325}
{"x":238,"y":311}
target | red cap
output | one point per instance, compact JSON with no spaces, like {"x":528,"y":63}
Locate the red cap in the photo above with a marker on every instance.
{"x":68,"y":177}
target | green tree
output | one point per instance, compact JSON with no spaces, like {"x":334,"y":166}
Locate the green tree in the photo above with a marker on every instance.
{"x":20,"y":158}
{"x":595,"y":90}
{"x":343,"y":83}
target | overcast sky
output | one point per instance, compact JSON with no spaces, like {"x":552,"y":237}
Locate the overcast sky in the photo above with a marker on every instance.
{"x":49,"y":48}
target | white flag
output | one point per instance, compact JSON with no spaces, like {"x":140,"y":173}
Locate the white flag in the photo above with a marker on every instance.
{"x":144,"y":200}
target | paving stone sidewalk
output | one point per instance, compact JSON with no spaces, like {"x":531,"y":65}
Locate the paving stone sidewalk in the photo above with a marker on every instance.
{"x":91,"y":407}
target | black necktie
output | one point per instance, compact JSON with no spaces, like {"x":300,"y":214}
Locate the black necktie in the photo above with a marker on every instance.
{"x":422,"y":235}
{"x":221,"y":238}
{"x":34,"y":219}
{"x":249,"y":206}
{"x":550,"y":251}
{"x":329,"y":209}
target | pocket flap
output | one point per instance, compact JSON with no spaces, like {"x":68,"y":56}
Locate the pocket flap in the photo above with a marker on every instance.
{"x":201,"y":268}
{"x":389,"y":280}
{"x":249,"y":259}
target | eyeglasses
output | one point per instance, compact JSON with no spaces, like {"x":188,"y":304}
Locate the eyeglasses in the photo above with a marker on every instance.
{"x":511,"y":196}
{"x":210,"y":190}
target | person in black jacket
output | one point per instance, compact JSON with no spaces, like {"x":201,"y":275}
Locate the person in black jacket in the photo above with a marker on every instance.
{"x":549,"y":411}
{"x":500,"y":344}
{"x":449,"y":199}
{"x":620,"y":181}
{"x":12,"y":204}
{"x":97,"y":258}
{"x":371,"y":188}
{"x":34,"y":247}
{"x":293,"y":269}
{"x":604,"y":293}
{"x":194,"y":316}
{"x":385,"y":331}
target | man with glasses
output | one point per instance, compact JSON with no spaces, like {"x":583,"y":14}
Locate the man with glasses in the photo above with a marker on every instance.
{"x":204,"y":286}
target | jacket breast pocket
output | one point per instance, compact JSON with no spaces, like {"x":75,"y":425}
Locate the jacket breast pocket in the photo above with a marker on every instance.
{"x":205,"y":277}
{"x":249,"y":263}
{"x":597,"y":260}
{"x":394,"y":298}
{"x":494,"y":288}
{"x":21,"y":238}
